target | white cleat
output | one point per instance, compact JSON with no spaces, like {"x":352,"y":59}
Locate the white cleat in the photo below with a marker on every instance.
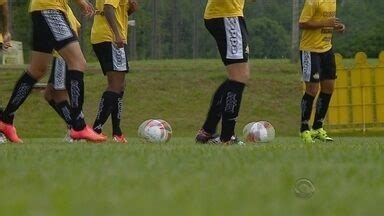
{"x":68,"y":138}
{"x":3,"y":139}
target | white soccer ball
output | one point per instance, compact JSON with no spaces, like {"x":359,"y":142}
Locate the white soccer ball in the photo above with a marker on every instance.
{"x":261,"y":131}
{"x":155,"y":131}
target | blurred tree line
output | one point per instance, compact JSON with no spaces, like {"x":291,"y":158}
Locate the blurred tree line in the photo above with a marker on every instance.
{"x":175,"y":28}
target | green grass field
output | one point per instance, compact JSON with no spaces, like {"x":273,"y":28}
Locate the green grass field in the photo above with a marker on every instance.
{"x":46,"y":176}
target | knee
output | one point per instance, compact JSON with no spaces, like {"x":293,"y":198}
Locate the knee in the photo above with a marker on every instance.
{"x":116,"y":87}
{"x":37,"y":72}
{"x":239,"y":72}
{"x":246,"y":76}
{"x":48,"y":94}
{"x":327,"y":89}
{"x":77,"y":64}
{"x":312,"y":90}
{"x":81,"y":65}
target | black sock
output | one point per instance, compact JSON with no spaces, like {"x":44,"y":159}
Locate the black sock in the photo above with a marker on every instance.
{"x":64,"y":110}
{"x":1,"y":112}
{"x":52,"y":103}
{"x":306,"y":111}
{"x":116,"y":115}
{"x":76,"y":95}
{"x":107,"y":102}
{"x":230,"y":109}
{"x":322,"y":105}
{"x":214,"y":113}
{"x":20,"y":93}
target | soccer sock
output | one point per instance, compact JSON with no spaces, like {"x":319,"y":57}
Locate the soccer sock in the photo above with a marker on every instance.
{"x":1,"y":111}
{"x":322,"y":105}
{"x":214,"y":113}
{"x":306,"y":111}
{"x":230,"y":109}
{"x":76,"y":98}
{"x":64,"y":110}
{"x":20,"y":93}
{"x":116,"y":115}
{"x":54,"y":107}
{"x":107,"y":102}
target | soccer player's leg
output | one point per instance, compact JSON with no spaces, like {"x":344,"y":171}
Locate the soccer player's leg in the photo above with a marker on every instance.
{"x":217,"y":29}
{"x":67,"y":45}
{"x":3,"y":139}
{"x":116,"y":119}
{"x":42,"y":46}
{"x":327,"y":85}
{"x":310,"y":75}
{"x":114,"y":64}
{"x":238,"y":69}
{"x":232,"y":40}
{"x":56,"y":93}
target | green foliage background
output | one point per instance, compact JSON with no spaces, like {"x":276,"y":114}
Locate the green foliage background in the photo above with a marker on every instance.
{"x":177,"y":29}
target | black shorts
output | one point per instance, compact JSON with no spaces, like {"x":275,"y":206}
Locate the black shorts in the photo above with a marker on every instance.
{"x":59,"y":74}
{"x":231,"y":36}
{"x":111,"y":57}
{"x":317,"y":67}
{"x":51,"y":30}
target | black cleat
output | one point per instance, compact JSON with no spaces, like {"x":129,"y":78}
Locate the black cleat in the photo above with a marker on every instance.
{"x":204,"y":137}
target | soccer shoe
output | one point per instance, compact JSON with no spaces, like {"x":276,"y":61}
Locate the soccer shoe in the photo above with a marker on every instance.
{"x":321,"y":134}
{"x":204,"y":137}
{"x":68,"y":137}
{"x":306,"y":136}
{"x":234,"y":141}
{"x":3,"y":139}
{"x":119,"y":139}
{"x":10,"y":132}
{"x":87,"y":134}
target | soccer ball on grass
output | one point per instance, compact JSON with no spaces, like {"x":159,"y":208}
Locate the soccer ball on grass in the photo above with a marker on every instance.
{"x":155,"y":131}
{"x":261,"y":131}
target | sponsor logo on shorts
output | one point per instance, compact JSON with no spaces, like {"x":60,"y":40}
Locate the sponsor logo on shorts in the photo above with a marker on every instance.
{"x":58,"y":24}
{"x":306,"y":65}
{"x":316,"y":76}
{"x":234,"y":38}
{"x":119,"y":58}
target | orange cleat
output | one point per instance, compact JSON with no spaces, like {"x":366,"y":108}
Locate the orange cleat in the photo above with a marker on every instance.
{"x":10,"y":132}
{"x":119,"y":139}
{"x":87,"y":134}
{"x":103,"y":135}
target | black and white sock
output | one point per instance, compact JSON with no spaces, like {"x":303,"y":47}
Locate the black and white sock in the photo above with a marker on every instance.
{"x":322,"y":105}
{"x":20,"y":93}
{"x":230,"y":109}
{"x":306,"y":111}
{"x":116,"y":115}
{"x":64,"y":108}
{"x":76,"y":95}
{"x":107,"y":102}
{"x":214,"y":113}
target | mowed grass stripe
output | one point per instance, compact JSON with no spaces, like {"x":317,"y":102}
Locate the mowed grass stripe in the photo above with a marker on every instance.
{"x":49,"y":177}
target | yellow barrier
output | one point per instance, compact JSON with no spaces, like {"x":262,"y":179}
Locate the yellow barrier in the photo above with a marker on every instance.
{"x":358,"y":100}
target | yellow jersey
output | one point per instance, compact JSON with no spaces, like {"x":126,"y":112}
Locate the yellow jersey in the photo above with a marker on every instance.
{"x":317,"y":40}
{"x":224,"y":8}
{"x":101,"y":32}
{"x":38,"y":5}
{"x":1,"y":35}
{"x":73,"y":22}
